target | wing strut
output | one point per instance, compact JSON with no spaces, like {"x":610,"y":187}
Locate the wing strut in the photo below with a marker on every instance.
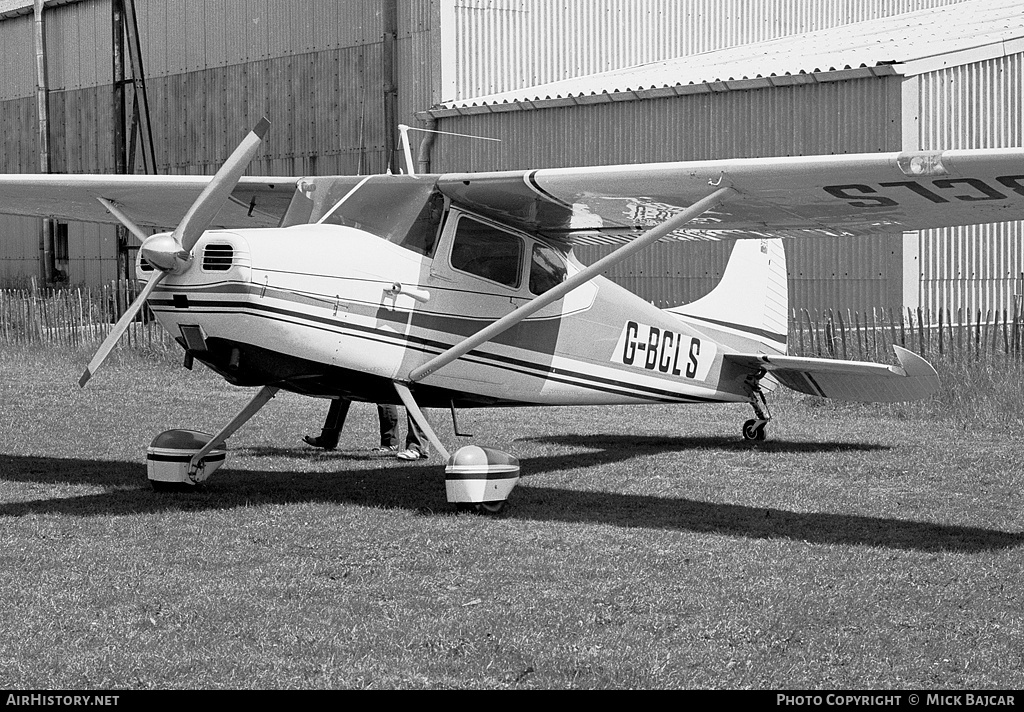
{"x":421,"y":420}
{"x":460,"y":349}
{"x":125,"y":220}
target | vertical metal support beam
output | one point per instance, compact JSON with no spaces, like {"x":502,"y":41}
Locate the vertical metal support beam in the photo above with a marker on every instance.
{"x":119,"y":142}
{"x":120,"y":145}
{"x":141,"y":101}
{"x":389,"y":16}
{"x":910,"y":268}
{"x":43,"y":117}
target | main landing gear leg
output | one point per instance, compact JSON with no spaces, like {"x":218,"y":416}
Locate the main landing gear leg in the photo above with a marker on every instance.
{"x":178,"y":460}
{"x":196,"y":467}
{"x":754,"y":429}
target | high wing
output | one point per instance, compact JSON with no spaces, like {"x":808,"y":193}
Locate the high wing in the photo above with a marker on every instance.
{"x":803,"y":196}
{"x":914,"y":378}
{"x":806,"y":196}
{"x":151,"y":201}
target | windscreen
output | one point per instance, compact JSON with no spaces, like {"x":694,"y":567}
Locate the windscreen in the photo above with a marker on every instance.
{"x":405,"y":210}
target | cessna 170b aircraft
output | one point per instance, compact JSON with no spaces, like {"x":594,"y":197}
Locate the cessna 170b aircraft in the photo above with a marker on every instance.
{"x":461,"y":290}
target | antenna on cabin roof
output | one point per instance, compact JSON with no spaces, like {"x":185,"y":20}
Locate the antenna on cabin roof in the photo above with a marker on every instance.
{"x":407,"y":149}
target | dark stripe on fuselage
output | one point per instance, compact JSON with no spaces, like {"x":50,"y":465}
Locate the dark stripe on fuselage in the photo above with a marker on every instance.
{"x":433,"y":347}
{"x":544,"y":328}
{"x":763,"y":333}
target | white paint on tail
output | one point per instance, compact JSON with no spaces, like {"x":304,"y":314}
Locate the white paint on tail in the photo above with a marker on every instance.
{"x":749,"y":308}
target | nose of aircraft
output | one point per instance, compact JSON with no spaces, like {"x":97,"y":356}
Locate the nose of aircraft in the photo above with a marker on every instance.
{"x":170,"y":253}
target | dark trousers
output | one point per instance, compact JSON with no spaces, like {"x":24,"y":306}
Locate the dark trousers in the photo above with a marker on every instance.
{"x":334,"y":422}
{"x":387,"y":415}
{"x":414,"y":437}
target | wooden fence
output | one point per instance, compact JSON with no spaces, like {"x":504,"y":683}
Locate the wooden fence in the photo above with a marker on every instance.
{"x":942,"y":333}
{"x":78,"y":317}
{"x":82,"y":317}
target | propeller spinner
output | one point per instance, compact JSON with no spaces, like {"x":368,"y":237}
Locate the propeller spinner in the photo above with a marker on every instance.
{"x":171,"y":252}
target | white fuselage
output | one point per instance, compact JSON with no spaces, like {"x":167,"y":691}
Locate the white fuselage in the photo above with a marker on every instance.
{"x":338,"y":297}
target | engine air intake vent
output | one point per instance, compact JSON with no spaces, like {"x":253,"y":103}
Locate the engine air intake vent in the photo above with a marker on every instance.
{"x":218,"y":257}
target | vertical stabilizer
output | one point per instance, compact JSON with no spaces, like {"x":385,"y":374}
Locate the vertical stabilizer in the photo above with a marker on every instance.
{"x":749,"y":308}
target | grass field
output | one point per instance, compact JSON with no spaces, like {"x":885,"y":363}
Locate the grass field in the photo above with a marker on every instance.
{"x":646,"y":547}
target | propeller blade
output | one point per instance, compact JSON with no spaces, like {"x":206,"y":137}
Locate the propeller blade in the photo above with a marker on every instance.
{"x":217,"y":192}
{"x":119,"y":328}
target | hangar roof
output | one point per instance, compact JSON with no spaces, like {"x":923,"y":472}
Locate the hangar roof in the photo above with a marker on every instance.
{"x":908,"y":44}
{"x":14,"y":8}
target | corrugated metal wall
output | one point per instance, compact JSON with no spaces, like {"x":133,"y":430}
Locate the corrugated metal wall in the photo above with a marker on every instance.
{"x":511,"y":44}
{"x":73,"y":35}
{"x":18,"y":78}
{"x":20,"y":240}
{"x":833,"y":117}
{"x":325,"y":109}
{"x":979,"y":105}
{"x":191,"y":35}
{"x":214,"y":67}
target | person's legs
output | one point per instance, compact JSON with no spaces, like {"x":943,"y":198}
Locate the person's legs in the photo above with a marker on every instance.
{"x":417,"y":447}
{"x":388,"y":417}
{"x":335,"y":421}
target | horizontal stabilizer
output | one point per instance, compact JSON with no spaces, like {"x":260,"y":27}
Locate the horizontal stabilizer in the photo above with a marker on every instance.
{"x":913,"y":379}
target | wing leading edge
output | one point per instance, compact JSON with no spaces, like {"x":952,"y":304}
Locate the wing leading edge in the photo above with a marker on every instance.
{"x":151,"y":201}
{"x":913,"y":379}
{"x":805,"y":196}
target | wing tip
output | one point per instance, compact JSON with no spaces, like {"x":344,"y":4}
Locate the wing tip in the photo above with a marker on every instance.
{"x":912,"y":364}
{"x":922,"y":374}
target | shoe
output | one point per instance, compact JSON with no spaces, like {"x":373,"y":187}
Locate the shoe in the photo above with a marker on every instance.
{"x":410,"y":454}
{"x":316,"y":442}
{"x":385,"y":450}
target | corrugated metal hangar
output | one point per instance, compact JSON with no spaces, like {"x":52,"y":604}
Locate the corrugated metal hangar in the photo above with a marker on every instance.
{"x":580,"y":82}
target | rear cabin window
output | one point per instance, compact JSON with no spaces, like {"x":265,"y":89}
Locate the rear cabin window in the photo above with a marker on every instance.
{"x":547,"y":269}
{"x":487,"y":252}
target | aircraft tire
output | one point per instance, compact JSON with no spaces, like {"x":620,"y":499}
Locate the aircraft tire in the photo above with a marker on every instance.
{"x":483,"y":508}
{"x":753,"y":431}
{"x":168,"y":487}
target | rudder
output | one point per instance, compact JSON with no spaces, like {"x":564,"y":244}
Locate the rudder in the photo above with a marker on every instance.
{"x":749,"y":308}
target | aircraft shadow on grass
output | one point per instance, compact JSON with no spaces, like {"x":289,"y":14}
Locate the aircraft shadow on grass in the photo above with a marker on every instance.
{"x":419,"y":488}
{"x":603,"y":449}
{"x":615,"y":447}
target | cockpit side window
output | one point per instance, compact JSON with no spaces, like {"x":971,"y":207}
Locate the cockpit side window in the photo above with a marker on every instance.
{"x":422,"y":235}
{"x":487,"y":252}
{"x":547,"y":269}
